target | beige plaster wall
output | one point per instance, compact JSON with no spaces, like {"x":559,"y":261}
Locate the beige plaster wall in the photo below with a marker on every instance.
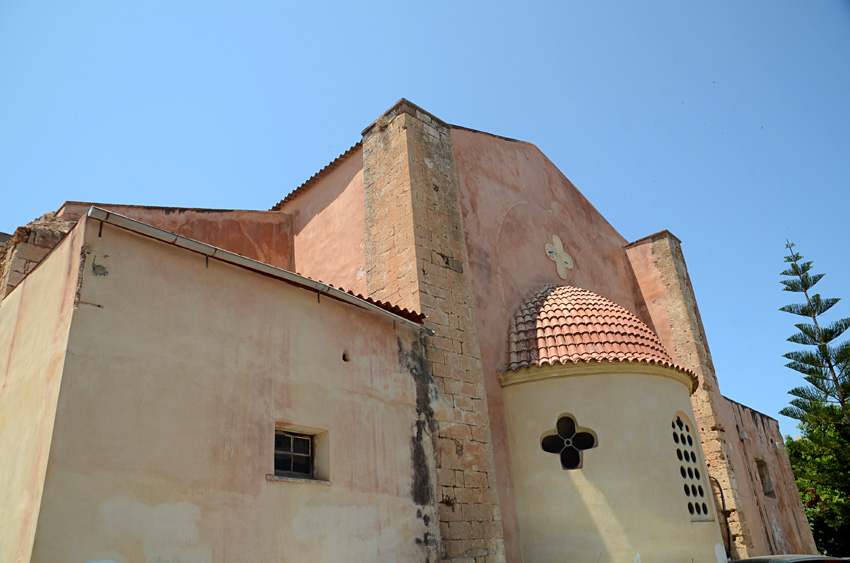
{"x":513,"y":201}
{"x":668,"y":296}
{"x":177,"y":374}
{"x":34,"y":325}
{"x":778,"y":523}
{"x":626,"y":503}
{"x":329,"y":225}
{"x":261,"y":235}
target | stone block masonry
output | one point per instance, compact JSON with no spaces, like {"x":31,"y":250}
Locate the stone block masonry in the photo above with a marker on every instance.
{"x":416,"y":257}
{"x":27,"y":247}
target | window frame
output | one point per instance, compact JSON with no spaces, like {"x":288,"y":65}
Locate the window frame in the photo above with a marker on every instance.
{"x":293,"y":454}
{"x":767,"y":486}
{"x":319,"y":450}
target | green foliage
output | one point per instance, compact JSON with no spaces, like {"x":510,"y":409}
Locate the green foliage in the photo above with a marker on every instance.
{"x":820,"y":461}
{"x":826,"y":369}
{"x":821,"y":457}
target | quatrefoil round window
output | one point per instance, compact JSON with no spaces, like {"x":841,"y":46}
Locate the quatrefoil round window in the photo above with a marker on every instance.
{"x":568,"y":442}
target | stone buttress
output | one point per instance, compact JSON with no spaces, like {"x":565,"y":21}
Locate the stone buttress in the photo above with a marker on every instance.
{"x":416,"y":257}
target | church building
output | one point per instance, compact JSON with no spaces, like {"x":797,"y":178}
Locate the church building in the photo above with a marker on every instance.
{"x":435,"y":349}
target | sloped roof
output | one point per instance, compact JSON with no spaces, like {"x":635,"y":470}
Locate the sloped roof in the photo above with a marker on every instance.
{"x":316,"y":177}
{"x":413,"y":318}
{"x":562,"y":324}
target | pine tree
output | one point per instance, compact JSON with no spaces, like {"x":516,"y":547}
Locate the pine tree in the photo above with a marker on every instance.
{"x":825,"y":368}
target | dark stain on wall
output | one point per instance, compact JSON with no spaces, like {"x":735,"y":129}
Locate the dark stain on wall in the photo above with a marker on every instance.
{"x":412,"y":357}
{"x":415,"y":362}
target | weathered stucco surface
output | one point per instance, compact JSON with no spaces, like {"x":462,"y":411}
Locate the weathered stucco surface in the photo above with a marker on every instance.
{"x":513,"y":201}
{"x":261,"y":235}
{"x":178,"y":372}
{"x":626,"y":503}
{"x":34,"y":324}
{"x":329,"y":225}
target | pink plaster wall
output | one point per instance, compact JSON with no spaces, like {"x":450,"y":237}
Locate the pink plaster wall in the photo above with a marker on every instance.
{"x":329,"y":225}
{"x":777,"y":523}
{"x":261,"y":235}
{"x":513,"y":200}
{"x":654,"y":297}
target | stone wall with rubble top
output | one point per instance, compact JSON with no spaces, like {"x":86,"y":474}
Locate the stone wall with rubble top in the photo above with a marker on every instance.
{"x":27,"y":247}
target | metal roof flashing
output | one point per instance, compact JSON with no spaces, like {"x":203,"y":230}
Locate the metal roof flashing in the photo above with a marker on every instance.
{"x":214,"y":252}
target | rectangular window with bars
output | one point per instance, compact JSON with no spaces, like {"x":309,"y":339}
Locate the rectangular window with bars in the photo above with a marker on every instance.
{"x":293,"y":455}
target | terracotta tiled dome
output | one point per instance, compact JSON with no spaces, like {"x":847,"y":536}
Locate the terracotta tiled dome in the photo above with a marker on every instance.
{"x":565,"y":324}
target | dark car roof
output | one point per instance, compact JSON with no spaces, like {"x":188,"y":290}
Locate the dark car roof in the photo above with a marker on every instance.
{"x":793,"y":559}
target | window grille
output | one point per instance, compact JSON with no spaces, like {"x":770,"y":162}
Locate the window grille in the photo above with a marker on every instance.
{"x":293,"y":454}
{"x":694,"y":484}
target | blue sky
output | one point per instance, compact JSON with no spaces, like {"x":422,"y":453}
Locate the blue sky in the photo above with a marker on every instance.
{"x":725,"y":122}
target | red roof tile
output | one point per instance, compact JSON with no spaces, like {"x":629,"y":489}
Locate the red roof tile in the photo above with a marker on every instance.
{"x":411,"y":315}
{"x":562,"y":324}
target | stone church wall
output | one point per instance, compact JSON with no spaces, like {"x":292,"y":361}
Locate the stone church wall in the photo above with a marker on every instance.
{"x":662,"y":277}
{"x":514,"y":200}
{"x":767,"y":491}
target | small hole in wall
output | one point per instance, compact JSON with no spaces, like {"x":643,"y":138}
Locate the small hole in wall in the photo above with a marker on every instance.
{"x":345,"y":356}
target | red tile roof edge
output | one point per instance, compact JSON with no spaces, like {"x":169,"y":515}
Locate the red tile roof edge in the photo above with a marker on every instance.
{"x":525,"y":364}
{"x":414,"y":316}
{"x":565,"y":324}
{"x":410,"y":315}
{"x":316,"y":177}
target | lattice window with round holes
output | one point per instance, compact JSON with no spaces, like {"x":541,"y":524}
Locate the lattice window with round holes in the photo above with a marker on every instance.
{"x":694,"y":484}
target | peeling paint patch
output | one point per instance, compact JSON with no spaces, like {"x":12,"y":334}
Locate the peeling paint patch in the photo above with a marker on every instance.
{"x":99,"y":269}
